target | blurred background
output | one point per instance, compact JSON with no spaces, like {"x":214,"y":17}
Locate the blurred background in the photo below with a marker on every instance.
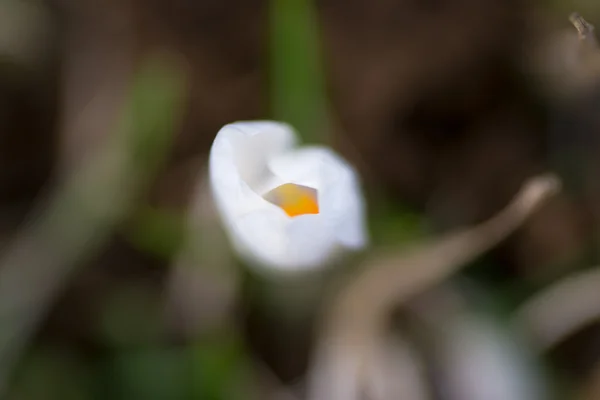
{"x":115,"y":279}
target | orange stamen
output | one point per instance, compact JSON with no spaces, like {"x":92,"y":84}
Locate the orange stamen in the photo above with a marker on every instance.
{"x":294,"y":199}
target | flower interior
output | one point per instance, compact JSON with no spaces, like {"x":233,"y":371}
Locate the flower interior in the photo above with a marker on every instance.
{"x":294,"y":199}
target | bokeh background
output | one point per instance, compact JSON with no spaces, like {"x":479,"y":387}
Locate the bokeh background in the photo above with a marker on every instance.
{"x":115,"y":279}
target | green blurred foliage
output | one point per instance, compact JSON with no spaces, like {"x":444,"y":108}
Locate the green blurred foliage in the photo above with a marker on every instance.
{"x":392,"y":225}
{"x":81,"y":217}
{"x":131,"y":316}
{"x":298,"y":93}
{"x":152,"y":374}
{"x":51,"y":374}
{"x":158,"y":232}
{"x":221,"y":368}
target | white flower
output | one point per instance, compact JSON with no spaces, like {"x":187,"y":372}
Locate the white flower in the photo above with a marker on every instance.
{"x":317,"y":213}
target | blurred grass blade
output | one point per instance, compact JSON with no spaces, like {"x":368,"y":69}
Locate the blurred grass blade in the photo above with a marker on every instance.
{"x":79,"y":217}
{"x":297,"y":79}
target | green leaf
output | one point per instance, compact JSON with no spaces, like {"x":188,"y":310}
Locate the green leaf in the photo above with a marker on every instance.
{"x":298,"y":87}
{"x":158,"y":232}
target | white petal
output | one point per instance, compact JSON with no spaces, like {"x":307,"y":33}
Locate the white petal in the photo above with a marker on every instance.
{"x":238,"y":164}
{"x":250,"y":158}
{"x":339,"y":194}
{"x":287,"y":244}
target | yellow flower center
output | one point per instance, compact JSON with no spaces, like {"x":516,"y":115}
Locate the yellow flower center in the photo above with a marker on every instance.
{"x":294,"y":199}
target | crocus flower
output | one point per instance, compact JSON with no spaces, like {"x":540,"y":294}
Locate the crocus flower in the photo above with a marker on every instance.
{"x":284,"y":208}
